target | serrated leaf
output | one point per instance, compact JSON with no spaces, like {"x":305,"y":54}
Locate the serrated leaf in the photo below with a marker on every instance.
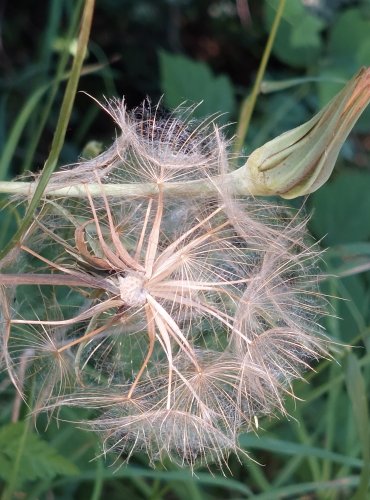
{"x":39,"y":460}
{"x":183,"y":79}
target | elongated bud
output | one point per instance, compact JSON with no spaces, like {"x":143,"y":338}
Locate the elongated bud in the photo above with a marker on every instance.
{"x":301,"y":160}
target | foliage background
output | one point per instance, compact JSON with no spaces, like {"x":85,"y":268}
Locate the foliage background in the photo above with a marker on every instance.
{"x":204,"y":50}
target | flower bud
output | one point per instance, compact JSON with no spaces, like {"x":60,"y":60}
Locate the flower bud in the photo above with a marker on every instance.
{"x":301,"y":160}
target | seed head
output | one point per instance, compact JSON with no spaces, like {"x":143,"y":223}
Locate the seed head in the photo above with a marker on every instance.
{"x":180,"y":321}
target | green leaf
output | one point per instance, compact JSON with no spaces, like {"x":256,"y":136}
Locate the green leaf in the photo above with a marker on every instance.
{"x":38,"y":461}
{"x":185,"y":80}
{"x":330,"y":83}
{"x":348,"y":49}
{"x":342,"y":208}
{"x":348,"y":41}
{"x":341,"y":212}
{"x":298,"y":41}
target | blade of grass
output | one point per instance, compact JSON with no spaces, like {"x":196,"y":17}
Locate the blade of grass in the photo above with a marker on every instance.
{"x":61,"y":128}
{"x":296,"y":449}
{"x":29,"y":109}
{"x":356,"y":314}
{"x":340,"y":486}
{"x":3,"y":127}
{"x":333,"y":396}
{"x":320,"y":391}
{"x":356,"y":388}
{"x":256,"y":473}
{"x":9,"y":217}
{"x":55,"y":12}
{"x":286,"y":473}
{"x":330,"y":422}
{"x":17,"y":129}
{"x":180,"y":475}
{"x":351,"y":443}
{"x":99,"y":481}
{"x":305,"y":437}
{"x":8,"y":493}
{"x":23,"y":119}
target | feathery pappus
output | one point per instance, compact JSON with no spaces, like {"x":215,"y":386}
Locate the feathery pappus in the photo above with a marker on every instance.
{"x":177,"y":321}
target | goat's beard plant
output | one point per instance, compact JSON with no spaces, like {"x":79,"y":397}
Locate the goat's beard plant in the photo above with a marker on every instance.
{"x":177,"y":322}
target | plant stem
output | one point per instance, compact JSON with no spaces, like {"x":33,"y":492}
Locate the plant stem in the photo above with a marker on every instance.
{"x":238,"y":182}
{"x":250,"y":101}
